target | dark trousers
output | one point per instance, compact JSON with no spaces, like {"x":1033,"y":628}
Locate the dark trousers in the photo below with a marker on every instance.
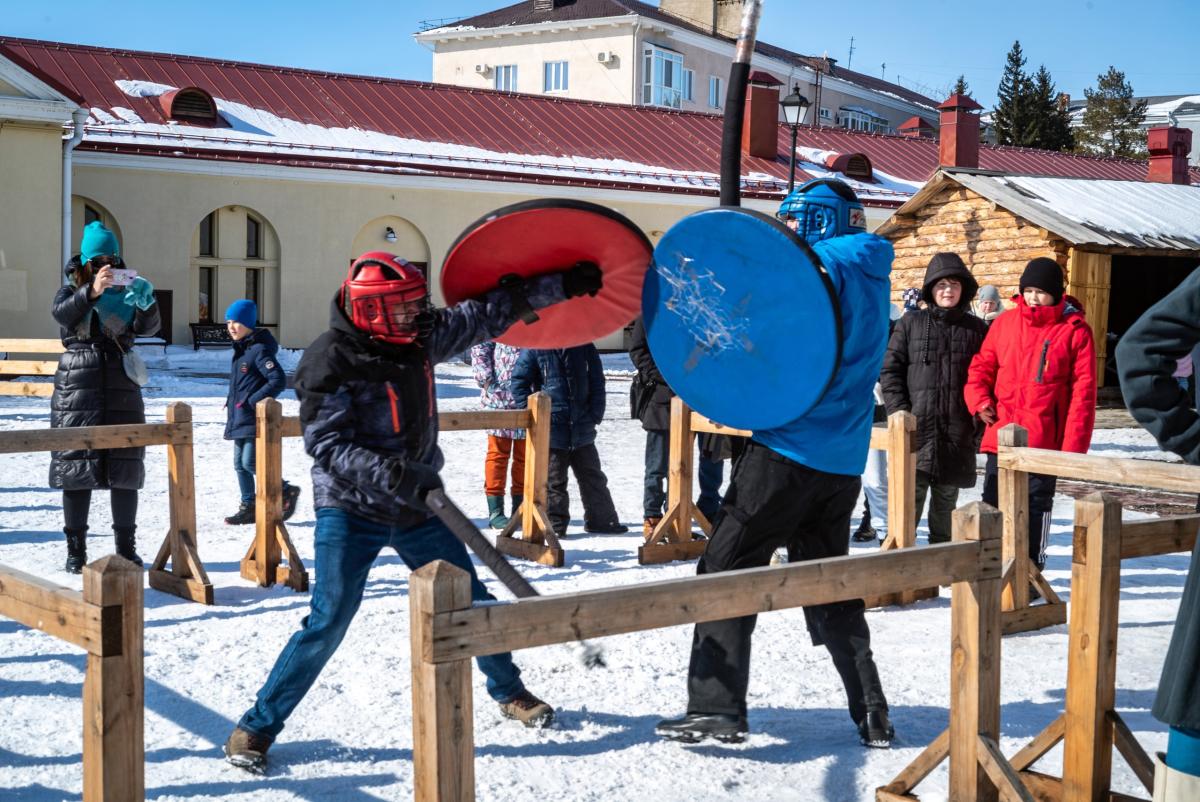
{"x":773,"y":501}
{"x":77,"y":504}
{"x":942,"y":501}
{"x":1041,"y":501}
{"x":711,"y":472}
{"x":584,"y":462}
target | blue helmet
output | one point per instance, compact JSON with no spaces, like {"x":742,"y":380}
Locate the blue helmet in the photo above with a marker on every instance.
{"x":823,"y":208}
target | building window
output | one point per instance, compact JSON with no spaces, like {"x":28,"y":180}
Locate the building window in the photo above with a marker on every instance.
{"x":207,"y":294}
{"x":90,"y":215}
{"x":555,"y":76}
{"x":207,"y":227}
{"x":506,"y":78}
{"x":689,"y":78}
{"x":857,"y":118}
{"x":714,"y":92}
{"x":826,"y":114}
{"x":254,"y":284}
{"x":253,"y":238}
{"x":662,"y":83}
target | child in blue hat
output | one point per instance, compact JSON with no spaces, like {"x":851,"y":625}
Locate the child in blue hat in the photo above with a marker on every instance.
{"x":254,"y":375}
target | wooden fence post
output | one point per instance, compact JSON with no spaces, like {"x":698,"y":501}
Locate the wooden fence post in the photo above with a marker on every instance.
{"x":672,"y":537}
{"x":902,"y":478}
{"x":538,"y":543}
{"x":1092,"y":654}
{"x":262,"y":563}
{"x":187,"y":577}
{"x":443,"y":721}
{"x":1013,"y":487}
{"x":974,"y":663}
{"x":114,"y":748}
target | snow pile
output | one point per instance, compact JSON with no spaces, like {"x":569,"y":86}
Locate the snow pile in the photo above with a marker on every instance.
{"x":351,"y":738}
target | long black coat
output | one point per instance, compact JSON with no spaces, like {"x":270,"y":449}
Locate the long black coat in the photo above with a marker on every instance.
{"x":1146,"y":359}
{"x":91,"y":389}
{"x":924,"y":372}
{"x":649,"y":394}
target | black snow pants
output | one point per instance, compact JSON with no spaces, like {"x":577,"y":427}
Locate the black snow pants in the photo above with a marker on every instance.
{"x":773,"y":501}
{"x":1041,"y":502}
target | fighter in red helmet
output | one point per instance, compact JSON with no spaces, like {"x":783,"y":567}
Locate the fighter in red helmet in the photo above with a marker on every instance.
{"x":369,"y":414}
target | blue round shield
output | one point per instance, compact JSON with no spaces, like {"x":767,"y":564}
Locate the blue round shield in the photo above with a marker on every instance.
{"x":741,"y":318}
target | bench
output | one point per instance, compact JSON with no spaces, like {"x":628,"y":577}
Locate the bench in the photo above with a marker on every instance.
{"x":210,"y":334}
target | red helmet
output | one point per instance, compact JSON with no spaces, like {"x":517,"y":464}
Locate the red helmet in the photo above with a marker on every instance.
{"x":387,"y":298}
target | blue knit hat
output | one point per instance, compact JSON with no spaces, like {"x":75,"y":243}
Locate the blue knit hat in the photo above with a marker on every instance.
{"x":243,"y":311}
{"x":98,"y":241}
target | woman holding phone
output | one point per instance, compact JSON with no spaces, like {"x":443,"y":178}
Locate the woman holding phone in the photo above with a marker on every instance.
{"x":101,"y":309}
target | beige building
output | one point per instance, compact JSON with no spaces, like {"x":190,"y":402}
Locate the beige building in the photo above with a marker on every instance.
{"x":675,"y":55}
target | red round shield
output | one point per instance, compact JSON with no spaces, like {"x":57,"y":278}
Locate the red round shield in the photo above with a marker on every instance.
{"x":545,"y":236}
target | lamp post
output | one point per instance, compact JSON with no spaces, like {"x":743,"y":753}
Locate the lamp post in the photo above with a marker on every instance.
{"x":795,"y":109}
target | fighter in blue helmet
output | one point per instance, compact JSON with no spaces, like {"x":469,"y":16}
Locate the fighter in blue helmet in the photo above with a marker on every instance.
{"x":796,"y":485}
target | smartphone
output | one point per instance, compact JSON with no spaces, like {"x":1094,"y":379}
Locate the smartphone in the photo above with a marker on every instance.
{"x":123,"y":277}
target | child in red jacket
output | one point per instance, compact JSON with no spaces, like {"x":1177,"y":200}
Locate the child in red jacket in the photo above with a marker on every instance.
{"x":1037,"y":369}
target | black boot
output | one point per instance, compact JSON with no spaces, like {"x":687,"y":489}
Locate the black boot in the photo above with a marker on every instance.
{"x":244,"y":514}
{"x":696,"y":727}
{"x":76,"y":550}
{"x":876,"y":730}
{"x":290,"y":494}
{"x":125,"y":539}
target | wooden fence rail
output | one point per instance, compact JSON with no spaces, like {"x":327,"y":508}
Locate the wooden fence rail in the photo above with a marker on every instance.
{"x":25,"y":367}
{"x":447,"y":631}
{"x":186,"y":576}
{"x":263,"y":563}
{"x":106,"y":621}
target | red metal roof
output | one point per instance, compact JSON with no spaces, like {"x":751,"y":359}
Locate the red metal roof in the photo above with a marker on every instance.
{"x":501,"y":122}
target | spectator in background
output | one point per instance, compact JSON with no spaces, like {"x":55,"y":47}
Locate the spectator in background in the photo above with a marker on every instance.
{"x":875,"y":478}
{"x":492,"y":364}
{"x":988,"y":306}
{"x":574,"y":380}
{"x":912,"y":299}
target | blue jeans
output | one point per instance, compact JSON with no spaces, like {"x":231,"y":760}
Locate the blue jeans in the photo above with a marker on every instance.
{"x":243,"y":466}
{"x":710,"y":472}
{"x":346,"y":546}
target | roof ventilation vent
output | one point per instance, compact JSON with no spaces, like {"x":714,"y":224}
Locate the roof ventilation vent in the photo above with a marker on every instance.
{"x":191,"y":105}
{"x":851,"y":165}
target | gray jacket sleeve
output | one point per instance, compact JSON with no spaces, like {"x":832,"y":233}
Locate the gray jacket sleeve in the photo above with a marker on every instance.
{"x":475,"y":320}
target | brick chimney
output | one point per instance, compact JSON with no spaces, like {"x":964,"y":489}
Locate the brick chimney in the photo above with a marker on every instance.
{"x":760,"y":134}
{"x":1169,"y":148}
{"x":959,"y":145}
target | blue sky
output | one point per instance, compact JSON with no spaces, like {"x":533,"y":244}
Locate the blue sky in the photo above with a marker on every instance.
{"x":924,"y":43}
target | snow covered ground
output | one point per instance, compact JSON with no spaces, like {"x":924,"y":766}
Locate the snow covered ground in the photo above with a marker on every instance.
{"x":351,"y":738}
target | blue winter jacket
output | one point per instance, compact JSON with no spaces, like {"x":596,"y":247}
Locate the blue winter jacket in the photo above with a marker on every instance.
{"x":366,"y":405}
{"x":834,"y":436}
{"x":574,"y":380}
{"x":255,"y":375}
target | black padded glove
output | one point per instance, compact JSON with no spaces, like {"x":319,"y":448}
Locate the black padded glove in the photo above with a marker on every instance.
{"x":584,"y":278}
{"x":411,"y":480}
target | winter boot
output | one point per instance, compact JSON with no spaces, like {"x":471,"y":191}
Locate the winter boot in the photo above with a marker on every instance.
{"x":529,"y":710}
{"x":610,"y":528}
{"x":649,"y":524}
{"x":244,"y":514}
{"x":876,"y":730}
{"x":1172,"y":785}
{"x":517,"y":501}
{"x":76,"y":550}
{"x":248,"y":751}
{"x":696,"y":727}
{"x":290,"y":494}
{"x":496,"y":517}
{"x":125,"y":540}
{"x":865,"y":532}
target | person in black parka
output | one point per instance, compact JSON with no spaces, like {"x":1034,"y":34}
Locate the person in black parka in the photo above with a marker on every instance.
{"x":99,"y":322}
{"x":924,"y":372}
{"x":1146,"y":358}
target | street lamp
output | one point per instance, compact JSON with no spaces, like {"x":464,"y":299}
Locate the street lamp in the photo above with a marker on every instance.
{"x":795,"y":109}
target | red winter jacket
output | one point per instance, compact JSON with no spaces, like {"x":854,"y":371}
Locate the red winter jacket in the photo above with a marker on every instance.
{"x":1037,"y":367}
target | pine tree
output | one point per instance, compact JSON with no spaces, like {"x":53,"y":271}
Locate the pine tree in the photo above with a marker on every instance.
{"x":1111,"y":124}
{"x":1050,"y":125}
{"x":960,"y":87}
{"x":1011,"y":116}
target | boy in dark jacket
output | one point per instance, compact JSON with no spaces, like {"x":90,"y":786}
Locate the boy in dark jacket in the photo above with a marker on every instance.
{"x":1146,"y":358}
{"x":574,"y":380}
{"x":369,"y":415}
{"x":255,"y":375}
{"x":924,"y":373}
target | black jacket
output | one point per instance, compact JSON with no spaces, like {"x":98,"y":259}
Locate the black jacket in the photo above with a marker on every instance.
{"x":924,"y":372}
{"x":367,"y":405}
{"x":1146,"y":358}
{"x":649,"y":394}
{"x":91,"y":389}
{"x":574,"y":380}
{"x":255,"y":375}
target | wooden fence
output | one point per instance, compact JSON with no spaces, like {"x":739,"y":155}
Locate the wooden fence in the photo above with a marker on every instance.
{"x":106,"y":621}
{"x":263,"y":561}
{"x":26,"y":367}
{"x":186,"y":576}
{"x":446,"y":632}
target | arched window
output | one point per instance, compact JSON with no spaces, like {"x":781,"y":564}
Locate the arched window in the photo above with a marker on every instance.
{"x":234,"y":254}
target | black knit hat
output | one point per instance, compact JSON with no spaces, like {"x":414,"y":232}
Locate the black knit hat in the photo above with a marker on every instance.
{"x":1046,"y":275}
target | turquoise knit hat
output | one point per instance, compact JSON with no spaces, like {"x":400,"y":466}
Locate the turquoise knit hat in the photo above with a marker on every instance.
{"x":98,"y":241}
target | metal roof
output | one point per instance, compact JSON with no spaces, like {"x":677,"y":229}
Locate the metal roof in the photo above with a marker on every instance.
{"x":456,"y":131}
{"x":1096,"y":212}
